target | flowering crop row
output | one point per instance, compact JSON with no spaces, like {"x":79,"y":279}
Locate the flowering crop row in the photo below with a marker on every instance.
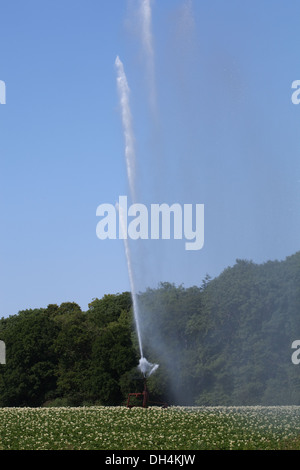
{"x":174,"y":428}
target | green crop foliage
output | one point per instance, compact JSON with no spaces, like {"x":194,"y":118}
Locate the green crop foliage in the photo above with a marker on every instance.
{"x":174,"y":428}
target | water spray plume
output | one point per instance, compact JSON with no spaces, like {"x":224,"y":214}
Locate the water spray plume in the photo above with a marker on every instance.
{"x":124,"y":92}
{"x":131,"y":280}
{"x":147,"y":40}
{"x":146,"y":19}
{"x":146,"y":367}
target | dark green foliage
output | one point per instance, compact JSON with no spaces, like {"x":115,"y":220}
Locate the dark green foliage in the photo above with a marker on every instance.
{"x":109,"y":308}
{"x":226,"y":342}
{"x":63,"y":355}
{"x":28,"y":377}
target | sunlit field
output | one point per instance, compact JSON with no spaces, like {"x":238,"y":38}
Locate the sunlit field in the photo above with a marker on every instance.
{"x":174,"y":428}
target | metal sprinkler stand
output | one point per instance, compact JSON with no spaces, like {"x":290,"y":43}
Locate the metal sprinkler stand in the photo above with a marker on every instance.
{"x":145,"y":398}
{"x":144,"y":395}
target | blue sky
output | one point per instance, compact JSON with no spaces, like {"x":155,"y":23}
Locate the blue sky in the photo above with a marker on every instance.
{"x":226,"y":134}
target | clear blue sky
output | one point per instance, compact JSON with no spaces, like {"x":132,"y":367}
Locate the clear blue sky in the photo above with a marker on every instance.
{"x":226,"y":135}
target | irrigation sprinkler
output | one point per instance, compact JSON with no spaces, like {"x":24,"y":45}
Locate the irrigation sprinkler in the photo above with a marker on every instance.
{"x":144,"y":398}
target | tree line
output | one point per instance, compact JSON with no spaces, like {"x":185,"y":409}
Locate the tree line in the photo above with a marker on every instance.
{"x":224,"y":342}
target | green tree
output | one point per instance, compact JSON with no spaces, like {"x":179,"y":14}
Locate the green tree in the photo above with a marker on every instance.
{"x":113,"y":356}
{"x":29,"y":376}
{"x":73,"y":347}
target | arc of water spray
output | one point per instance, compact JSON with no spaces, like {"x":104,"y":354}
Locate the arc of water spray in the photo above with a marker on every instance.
{"x":124,"y":92}
{"x":146,"y":34}
{"x":147,"y":40}
{"x":145,"y":367}
{"x":145,"y":9}
{"x":130,"y":273}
